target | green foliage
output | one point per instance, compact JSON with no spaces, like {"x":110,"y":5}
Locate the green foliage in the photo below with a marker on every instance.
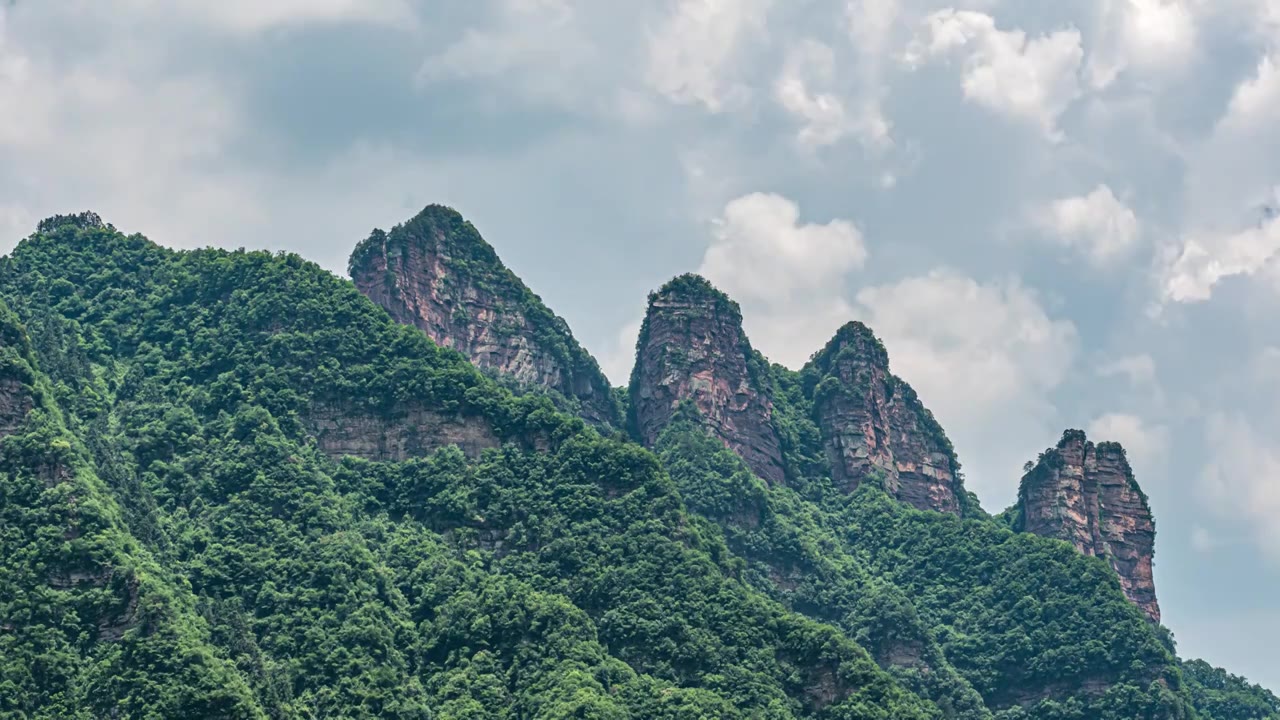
{"x":1220,"y":695}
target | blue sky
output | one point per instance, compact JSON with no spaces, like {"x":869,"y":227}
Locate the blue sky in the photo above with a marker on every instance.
{"x":1055,"y":214}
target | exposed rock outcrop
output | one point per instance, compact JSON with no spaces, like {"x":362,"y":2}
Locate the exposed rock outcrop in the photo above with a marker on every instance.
{"x":1086,"y":494}
{"x":692,"y":348}
{"x":16,"y":393}
{"x":414,"y":432}
{"x":15,"y":403}
{"x":437,"y":273}
{"x":873,"y":425}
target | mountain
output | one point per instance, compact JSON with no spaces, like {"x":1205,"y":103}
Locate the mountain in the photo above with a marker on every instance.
{"x":1086,"y":495}
{"x":437,"y":273}
{"x":692,"y":349}
{"x":873,"y":425}
{"x":232,"y":485}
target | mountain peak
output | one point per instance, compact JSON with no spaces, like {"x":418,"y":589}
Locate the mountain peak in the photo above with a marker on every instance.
{"x":692,"y":348}
{"x":874,"y":426}
{"x":1086,"y":495}
{"x":83,"y":221}
{"x":436,"y":272}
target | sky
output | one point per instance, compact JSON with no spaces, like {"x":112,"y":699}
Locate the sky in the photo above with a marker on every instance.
{"x":1054,"y":214}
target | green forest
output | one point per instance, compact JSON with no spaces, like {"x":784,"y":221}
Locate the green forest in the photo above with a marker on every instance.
{"x":178,"y":541}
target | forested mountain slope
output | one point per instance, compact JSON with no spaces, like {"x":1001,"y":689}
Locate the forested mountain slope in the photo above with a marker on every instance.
{"x":233,"y":486}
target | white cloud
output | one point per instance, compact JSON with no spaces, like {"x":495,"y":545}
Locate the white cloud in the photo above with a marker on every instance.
{"x":1232,"y":193}
{"x":690,"y":56}
{"x":617,"y":360}
{"x":1256,"y":101}
{"x":1242,"y":479}
{"x":1031,"y":78}
{"x":977,"y":348}
{"x":871,"y":30}
{"x":823,"y":113}
{"x":1098,"y":224}
{"x":1145,"y":35}
{"x":1207,"y":258}
{"x":761,"y":251}
{"x":1145,"y":444}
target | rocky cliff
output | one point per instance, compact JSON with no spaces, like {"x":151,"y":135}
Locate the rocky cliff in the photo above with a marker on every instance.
{"x":1086,"y":494}
{"x":437,"y":273}
{"x":16,"y":392}
{"x":692,"y":348}
{"x":873,"y":425}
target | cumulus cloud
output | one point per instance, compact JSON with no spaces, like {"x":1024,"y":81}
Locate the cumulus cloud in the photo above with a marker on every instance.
{"x":1030,"y":78}
{"x":823,"y":114}
{"x":1242,"y":479}
{"x":1256,"y":100}
{"x":1144,"y":443}
{"x":1098,"y":224}
{"x":690,"y":56}
{"x":1232,"y":228}
{"x":760,"y":250}
{"x":977,"y":347}
{"x":1207,"y":258}
{"x":617,"y":359}
{"x":1143,"y":35}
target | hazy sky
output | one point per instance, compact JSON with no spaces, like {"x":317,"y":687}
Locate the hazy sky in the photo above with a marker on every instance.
{"x":1054,"y":214}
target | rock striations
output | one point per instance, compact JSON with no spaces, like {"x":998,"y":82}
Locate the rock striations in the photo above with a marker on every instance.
{"x":437,"y":273}
{"x":873,"y":425}
{"x":692,"y":348}
{"x":1086,"y":494}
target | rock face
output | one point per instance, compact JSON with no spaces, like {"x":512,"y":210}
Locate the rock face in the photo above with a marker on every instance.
{"x":1085,"y":494}
{"x":692,"y":348}
{"x":15,"y":403}
{"x":414,"y":432}
{"x":16,"y":399}
{"x":435,"y":272}
{"x":873,"y":425}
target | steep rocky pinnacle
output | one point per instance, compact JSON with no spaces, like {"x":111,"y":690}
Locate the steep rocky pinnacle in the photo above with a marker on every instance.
{"x":437,"y":273}
{"x":874,"y":426}
{"x":1086,"y":494}
{"x":692,"y":348}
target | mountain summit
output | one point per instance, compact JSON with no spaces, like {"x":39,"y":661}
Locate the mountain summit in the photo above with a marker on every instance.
{"x":1086,"y":495}
{"x":692,"y":348}
{"x":437,"y":273}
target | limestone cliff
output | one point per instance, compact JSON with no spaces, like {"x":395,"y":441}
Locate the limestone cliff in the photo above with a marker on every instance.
{"x":1086,"y":494}
{"x":692,"y":348}
{"x":873,"y":425}
{"x":437,"y":273}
